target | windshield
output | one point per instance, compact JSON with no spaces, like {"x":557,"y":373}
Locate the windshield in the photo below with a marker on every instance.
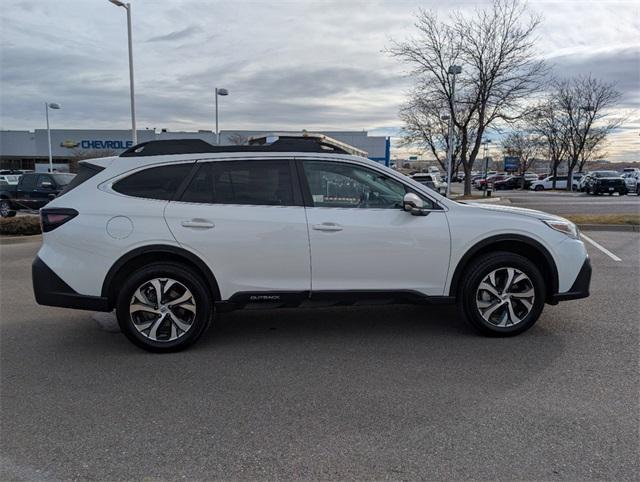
{"x":63,"y":179}
{"x":607,"y":174}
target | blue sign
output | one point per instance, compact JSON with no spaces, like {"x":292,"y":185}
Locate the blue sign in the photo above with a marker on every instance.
{"x":93,"y":144}
{"x":511,"y":163}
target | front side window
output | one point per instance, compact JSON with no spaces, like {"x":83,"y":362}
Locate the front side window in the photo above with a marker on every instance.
{"x":337,"y":185}
{"x":154,"y":183}
{"x":44,"y":182}
{"x":262,"y":183}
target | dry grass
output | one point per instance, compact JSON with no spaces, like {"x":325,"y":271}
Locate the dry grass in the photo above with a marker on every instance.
{"x":604,"y":218}
{"x":20,"y":225}
{"x":469,"y":198}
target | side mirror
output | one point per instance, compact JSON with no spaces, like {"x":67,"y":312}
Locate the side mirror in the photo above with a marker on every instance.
{"x":414,"y":204}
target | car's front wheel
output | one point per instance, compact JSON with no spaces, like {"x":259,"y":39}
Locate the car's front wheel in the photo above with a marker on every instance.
{"x":5,"y":209}
{"x":164,"y":307}
{"x":502,"y":294}
{"x":538,"y":188}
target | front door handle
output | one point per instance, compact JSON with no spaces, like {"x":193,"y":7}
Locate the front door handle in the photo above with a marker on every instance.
{"x":330,"y":227}
{"x":198,"y":223}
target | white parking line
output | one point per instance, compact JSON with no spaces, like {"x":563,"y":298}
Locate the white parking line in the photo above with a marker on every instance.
{"x":601,"y":248}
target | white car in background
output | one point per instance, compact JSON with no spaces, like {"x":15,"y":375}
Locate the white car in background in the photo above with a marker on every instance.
{"x":11,"y":179}
{"x":431,"y":180}
{"x":171,"y":232}
{"x":632,"y":179}
{"x":561,"y":183}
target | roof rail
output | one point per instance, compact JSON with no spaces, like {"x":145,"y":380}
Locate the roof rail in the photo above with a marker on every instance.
{"x":326,"y":142}
{"x":271,"y":143}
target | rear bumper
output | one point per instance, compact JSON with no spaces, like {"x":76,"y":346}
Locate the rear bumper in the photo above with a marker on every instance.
{"x":50,"y":290}
{"x":580,"y":287}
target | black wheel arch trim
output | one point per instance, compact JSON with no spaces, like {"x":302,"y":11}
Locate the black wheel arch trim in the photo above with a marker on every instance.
{"x":159,"y":249}
{"x":518,"y":238}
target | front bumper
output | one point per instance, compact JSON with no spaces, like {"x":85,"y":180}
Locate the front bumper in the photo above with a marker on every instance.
{"x":50,"y":290}
{"x":580,"y":287}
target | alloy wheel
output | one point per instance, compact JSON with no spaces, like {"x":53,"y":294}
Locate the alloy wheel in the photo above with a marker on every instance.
{"x":4,"y":208}
{"x":162,"y":309}
{"x":505,"y":297}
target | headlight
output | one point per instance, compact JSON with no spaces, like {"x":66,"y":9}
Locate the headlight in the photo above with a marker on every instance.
{"x":566,"y":227}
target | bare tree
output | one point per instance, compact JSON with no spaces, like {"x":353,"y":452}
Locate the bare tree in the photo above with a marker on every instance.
{"x":526,"y":146}
{"x":426,"y":125}
{"x":548,"y":122}
{"x":499,"y":70}
{"x":238,"y":139}
{"x":584,"y":104}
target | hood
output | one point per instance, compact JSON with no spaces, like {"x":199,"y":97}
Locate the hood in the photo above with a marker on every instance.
{"x":513,"y":210}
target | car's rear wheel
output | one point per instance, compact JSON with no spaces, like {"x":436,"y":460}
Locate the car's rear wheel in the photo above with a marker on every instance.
{"x":503,"y":294}
{"x":164,"y":307}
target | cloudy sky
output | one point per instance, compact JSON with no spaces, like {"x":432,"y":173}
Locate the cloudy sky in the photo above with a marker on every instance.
{"x":310,"y":64}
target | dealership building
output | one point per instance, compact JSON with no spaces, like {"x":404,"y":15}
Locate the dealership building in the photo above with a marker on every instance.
{"x":29,"y":149}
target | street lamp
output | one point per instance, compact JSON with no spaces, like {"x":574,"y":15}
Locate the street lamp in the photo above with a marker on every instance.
{"x":219,"y":92}
{"x":486,"y":143}
{"x":127,"y":7}
{"x":453,"y":70}
{"x":48,"y":106}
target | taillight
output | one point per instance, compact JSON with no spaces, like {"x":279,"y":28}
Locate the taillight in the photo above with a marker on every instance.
{"x":53,"y":218}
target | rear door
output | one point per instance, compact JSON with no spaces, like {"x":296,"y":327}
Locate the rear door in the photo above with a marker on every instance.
{"x":25,"y":190}
{"x":246,"y":220}
{"x":44,"y":191}
{"x":362,"y":239}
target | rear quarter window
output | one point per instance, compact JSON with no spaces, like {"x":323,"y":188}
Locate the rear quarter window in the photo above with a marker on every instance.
{"x":154,"y":183}
{"x":85,"y":172}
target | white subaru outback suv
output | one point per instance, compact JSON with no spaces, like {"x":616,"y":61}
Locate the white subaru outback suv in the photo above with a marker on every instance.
{"x":171,"y":232}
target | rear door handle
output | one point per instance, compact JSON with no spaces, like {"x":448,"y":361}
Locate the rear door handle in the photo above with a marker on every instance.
{"x":331,"y":227}
{"x":198,"y":224}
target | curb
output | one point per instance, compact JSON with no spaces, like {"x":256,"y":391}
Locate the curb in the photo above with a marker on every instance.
{"x":610,"y":227}
{"x":20,"y":239}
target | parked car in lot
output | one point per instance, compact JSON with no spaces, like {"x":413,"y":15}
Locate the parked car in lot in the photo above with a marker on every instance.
{"x":547,"y":183}
{"x":11,"y":179}
{"x":32,"y":191}
{"x":605,"y":182}
{"x":432,"y":181}
{"x":632,"y":179}
{"x":515,"y":182}
{"x":171,"y":232}
{"x":482,"y":182}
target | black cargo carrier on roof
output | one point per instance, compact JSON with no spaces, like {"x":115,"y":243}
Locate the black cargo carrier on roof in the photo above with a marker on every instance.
{"x":280,"y":143}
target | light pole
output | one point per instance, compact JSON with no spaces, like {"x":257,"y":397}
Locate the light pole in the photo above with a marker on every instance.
{"x":486,"y":143}
{"x":48,"y":106}
{"x":127,"y":7}
{"x":219,"y":92}
{"x":453,"y":70}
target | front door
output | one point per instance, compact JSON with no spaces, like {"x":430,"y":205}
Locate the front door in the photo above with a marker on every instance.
{"x":361,"y":239}
{"x":246,"y":221}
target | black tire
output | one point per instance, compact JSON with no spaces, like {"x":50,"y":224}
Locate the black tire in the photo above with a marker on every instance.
{"x":538,"y":188}
{"x":189,"y":279}
{"x":481,"y":268}
{"x":5,"y":209}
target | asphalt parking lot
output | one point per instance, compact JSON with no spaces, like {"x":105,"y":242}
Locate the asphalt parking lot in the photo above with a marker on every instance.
{"x":397,"y":392}
{"x":572,"y":203}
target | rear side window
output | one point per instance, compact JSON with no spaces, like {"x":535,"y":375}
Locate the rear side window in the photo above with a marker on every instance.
{"x":154,"y":183}
{"x":85,"y":172}
{"x":28,"y":182}
{"x":242,"y":182}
